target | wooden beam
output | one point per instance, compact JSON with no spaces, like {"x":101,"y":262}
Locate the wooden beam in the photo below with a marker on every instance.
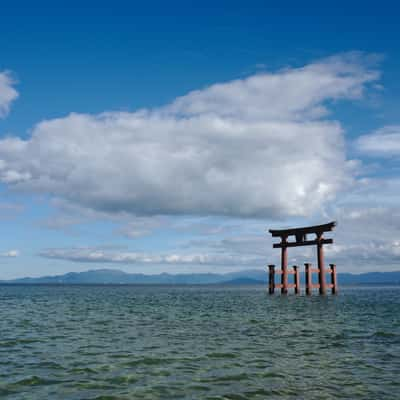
{"x":305,"y":243}
{"x":315,"y":286}
{"x":304,"y":230}
{"x":289,"y":272}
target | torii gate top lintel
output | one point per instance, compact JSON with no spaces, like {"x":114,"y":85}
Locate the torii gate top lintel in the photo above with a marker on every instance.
{"x":301,"y":235}
{"x":307,"y":229}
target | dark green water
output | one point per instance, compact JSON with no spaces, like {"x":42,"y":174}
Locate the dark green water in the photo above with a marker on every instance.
{"x":128,"y":342}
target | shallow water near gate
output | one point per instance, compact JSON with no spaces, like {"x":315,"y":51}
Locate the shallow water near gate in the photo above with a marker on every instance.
{"x":199,"y":342}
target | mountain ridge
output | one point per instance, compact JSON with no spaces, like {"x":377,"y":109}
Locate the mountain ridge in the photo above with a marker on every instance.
{"x":115,"y":276}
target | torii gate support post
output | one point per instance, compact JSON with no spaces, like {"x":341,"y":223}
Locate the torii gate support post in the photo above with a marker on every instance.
{"x":308,"y":279}
{"x":271,"y":279}
{"x":296,"y":279}
{"x":333,"y":279}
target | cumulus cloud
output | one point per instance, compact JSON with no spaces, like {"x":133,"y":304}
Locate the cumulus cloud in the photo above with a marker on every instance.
{"x":368,"y":239}
{"x":10,"y":254}
{"x":7,"y":92}
{"x":384,"y":142}
{"x":259,"y":146}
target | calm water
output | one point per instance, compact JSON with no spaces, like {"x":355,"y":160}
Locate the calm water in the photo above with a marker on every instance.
{"x":110,"y":342}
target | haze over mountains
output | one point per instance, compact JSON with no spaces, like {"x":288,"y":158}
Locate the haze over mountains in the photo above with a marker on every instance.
{"x":113,"y":276}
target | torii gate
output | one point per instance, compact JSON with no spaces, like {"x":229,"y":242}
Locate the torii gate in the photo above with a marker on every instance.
{"x":300,"y":235}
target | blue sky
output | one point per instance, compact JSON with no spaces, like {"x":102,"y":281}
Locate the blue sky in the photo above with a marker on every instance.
{"x":168,"y":136}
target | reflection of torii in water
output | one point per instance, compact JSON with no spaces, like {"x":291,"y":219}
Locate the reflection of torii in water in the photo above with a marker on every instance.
{"x":300,"y":235}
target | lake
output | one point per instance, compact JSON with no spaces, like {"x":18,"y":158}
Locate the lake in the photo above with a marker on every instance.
{"x":197,"y":342}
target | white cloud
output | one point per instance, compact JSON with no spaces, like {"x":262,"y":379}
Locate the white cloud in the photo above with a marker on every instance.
{"x":384,"y":142}
{"x":10,"y":254}
{"x":134,"y":228}
{"x":7,"y":92}
{"x":292,"y":94}
{"x":260,"y":146}
{"x":367,"y":237}
{"x":95,"y":255}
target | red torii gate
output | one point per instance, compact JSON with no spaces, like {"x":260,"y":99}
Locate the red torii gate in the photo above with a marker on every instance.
{"x":300,"y":235}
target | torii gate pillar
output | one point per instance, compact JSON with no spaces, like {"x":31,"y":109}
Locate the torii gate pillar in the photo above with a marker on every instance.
{"x":321,"y":265}
{"x":284,"y":276}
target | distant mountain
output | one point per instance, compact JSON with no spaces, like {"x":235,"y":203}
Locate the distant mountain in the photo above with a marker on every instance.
{"x":112,"y":276}
{"x":244,"y":281}
{"x":392,"y":278}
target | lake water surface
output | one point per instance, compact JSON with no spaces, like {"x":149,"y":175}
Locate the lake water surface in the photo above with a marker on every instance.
{"x":166,"y":342}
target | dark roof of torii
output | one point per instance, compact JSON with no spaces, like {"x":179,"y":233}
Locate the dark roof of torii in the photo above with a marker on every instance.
{"x":307,"y":229}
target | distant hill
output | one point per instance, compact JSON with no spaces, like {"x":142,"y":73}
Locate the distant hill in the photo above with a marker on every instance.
{"x":392,"y":278}
{"x":244,"y":281}
{"x":112,"y":276}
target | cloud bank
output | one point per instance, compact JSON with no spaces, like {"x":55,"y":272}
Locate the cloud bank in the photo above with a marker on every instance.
{"x":93,"y":255}
{"x":10,"y":254}
{"x":384,"y":142}
{"x":262,"y":146}
{"x":7,"y":93}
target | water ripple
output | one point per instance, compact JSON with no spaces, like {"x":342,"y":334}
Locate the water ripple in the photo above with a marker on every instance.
{"x":125,"y":342}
